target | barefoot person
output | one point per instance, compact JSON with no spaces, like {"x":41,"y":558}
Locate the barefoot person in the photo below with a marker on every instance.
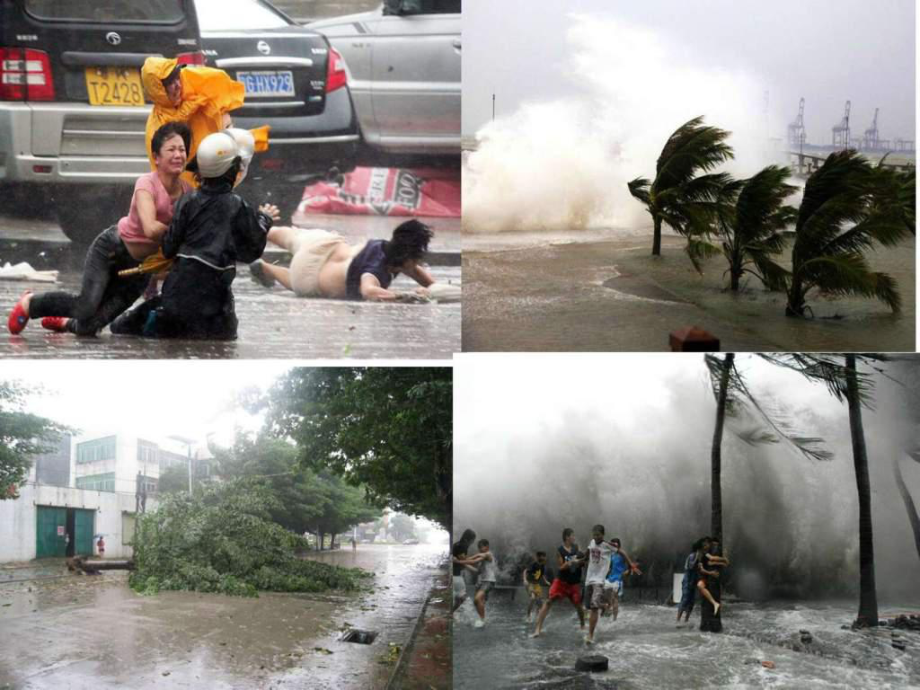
{"x":534,"y":580}
{"x":459,"y":563}
{"x":620,"y":565}
{"x":708,"y":567}
{"x":688,"y":584}
{"x":213,"y":228}
{"x":567,"y":583}
{"x":487,"y":578}
{"x":599,"y":553}
{"x":103,"y":295}
{"x":325,"y":265}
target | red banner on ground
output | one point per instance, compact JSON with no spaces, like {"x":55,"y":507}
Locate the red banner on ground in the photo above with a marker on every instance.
{"x":386,"y":192}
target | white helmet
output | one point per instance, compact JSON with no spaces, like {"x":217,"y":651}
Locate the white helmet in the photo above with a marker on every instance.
{"x":246,"y":145}
{"x":215,"y":154}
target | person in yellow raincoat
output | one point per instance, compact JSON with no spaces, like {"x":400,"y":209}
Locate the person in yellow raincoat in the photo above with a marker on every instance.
{"x":202,"y":97}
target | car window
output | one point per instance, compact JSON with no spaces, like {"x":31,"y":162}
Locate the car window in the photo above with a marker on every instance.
{"x":441,"y":6}
{"x":107,"y":11}
{"x":233,"y":15}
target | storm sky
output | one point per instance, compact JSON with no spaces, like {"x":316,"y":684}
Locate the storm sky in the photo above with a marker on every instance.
{"x":548,"y":441}
{"x":827,"y":51}
{"x":150,"y":399}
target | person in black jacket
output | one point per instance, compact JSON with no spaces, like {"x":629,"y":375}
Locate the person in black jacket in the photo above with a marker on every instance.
{"x":212,"y":229}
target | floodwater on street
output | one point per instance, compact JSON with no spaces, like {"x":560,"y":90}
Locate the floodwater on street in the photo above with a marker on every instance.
{"x":274,"y":323}
{"x":601,"y":290}
{"x":646,"y":649}
{"x":81,"y":632}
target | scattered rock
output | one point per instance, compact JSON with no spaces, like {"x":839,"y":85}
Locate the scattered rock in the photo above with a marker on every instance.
{"x":592,"y":663}
{"x":899,"y":644}
{"x":165,"y":673}
{"x":768,"y":664}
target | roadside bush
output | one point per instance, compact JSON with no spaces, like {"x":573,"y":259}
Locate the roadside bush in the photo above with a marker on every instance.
{"x":223,"y":540}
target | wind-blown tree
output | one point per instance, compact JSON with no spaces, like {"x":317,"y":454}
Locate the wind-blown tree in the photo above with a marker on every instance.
{"x":845,"y":211}
{"x":23,"y":436}
{"x":913,"y":517}
{"x":303,"y":500}
{"x":693,"y":148}
{"x":387,"y":429}
{"x":847,"y":383}
{"x":749,"y":216}
{"x":755,"y":424}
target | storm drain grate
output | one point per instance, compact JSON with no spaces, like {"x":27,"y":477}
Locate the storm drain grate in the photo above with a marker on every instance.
{"x":359,"y":636}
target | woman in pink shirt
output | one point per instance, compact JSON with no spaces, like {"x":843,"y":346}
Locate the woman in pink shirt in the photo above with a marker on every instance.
{"x":103,"y":295}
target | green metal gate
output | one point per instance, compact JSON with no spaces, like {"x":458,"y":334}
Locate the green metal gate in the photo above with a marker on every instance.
{"x":49,"y":536}
{"x":83,"y":526}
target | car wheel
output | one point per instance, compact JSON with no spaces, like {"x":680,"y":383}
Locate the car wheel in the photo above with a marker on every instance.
{"x":83,"y":212}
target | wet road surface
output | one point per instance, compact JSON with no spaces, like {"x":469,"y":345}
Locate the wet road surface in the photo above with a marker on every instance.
{"x":646,"y":649}
{"x":603,"y":291}
{"x":80,"y":632}
{"x":274,"y":323}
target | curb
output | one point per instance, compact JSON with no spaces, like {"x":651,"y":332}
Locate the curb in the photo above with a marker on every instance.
{"x":404,"y":654}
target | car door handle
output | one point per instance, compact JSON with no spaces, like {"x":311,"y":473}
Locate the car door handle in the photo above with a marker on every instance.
{"x":457,"y":44}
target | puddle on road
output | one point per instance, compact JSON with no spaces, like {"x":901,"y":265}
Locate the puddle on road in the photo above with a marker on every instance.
{"x":82,"y":632}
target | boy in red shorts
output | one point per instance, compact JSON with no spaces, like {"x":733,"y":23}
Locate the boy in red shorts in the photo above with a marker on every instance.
{"x":567,"y":583}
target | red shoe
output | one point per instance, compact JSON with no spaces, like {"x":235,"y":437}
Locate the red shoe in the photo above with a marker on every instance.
{"x":55,"y":323}
{"x":18,"y":317}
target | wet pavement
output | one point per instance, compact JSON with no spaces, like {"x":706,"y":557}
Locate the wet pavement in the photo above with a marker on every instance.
{"x":274,"y":323}
{"x":646,"y":649}
{"x":94,"y":632}
{"x":601,"y":290}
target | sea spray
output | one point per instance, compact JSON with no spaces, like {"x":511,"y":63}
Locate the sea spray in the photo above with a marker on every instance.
{"x":564,"y":164}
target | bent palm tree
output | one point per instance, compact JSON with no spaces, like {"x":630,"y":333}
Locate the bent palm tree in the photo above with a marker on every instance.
{"x":759,"y":425}
{"x":691,"y":149}
{"x":751,"y":218}
{"x":842,"y":215}
{"x":848,"y":383}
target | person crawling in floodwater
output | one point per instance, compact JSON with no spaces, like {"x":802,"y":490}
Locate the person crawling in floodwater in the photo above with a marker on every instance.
{"x":212,"y":228}
{"x":325,"y":265}
{"x":710,"y":559}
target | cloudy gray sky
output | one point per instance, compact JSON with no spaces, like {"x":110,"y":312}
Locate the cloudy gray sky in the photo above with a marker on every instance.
{"x":151,"y":399}
{"x":828,"y":51}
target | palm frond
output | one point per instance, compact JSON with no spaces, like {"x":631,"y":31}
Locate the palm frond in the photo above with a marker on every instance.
{"x":693,"y":147}
{"x":639,"y":188}
{"x":830,"y":370}
{"x":699,"y":250}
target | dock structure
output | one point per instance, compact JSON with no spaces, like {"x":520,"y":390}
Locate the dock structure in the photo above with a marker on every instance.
{"x":795,"y":132}
{"x":841,"y":131}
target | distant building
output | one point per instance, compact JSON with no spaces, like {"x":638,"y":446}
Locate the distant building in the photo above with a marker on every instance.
{"x":111,"y":463}
{"x":54,"y":468}
{"x":85,"y":489}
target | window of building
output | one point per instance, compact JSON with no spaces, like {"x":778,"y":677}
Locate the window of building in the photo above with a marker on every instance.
{"x":148,"y":454}
{"x":96,"y":450}
{"x":97,"y":482}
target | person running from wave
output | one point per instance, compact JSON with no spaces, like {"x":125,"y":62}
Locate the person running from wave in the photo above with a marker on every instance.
{"x":567,"y":583}
{"x":599,"y":553}
{"x":461,"y":562}
{"x":620,"y":565}
{"x":534,"y":579}
{"x":487,"y":578}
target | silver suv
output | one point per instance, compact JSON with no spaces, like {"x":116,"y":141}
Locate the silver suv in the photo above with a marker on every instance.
{"x":404,"y":65}
{"x":72,"y":108}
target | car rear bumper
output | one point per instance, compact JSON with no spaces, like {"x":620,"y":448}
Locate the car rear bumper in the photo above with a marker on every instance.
{"x":71,"y":143}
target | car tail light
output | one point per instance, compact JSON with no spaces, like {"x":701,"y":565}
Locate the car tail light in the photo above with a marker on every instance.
{"x":25,"y":74}
{"x":196,"y":58}
{"x":336,"y":73}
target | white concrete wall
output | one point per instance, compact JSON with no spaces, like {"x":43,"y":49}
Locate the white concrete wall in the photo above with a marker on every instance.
{"x":18,"y":518}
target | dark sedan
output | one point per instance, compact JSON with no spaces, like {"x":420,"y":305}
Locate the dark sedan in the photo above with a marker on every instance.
{"x":294,"y":82}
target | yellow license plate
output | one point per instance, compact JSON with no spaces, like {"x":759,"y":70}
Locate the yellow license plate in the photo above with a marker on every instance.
{"x":114,"y":86}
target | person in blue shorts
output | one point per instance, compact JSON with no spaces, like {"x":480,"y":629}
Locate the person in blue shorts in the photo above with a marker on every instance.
{"x":620,"y":564}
